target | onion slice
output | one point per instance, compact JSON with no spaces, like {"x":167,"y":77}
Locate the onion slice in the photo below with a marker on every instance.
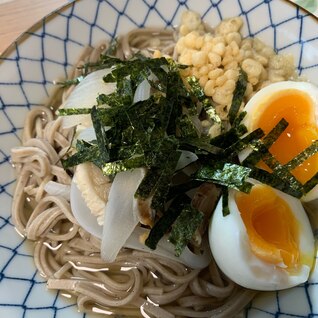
{"x":142,"y":91}
{"x":84,"y":96}
{"x":185,"y":159}
{"x":82,"y":214}
{"x":119,"y":219}
{"x":87,"y":134}
{"x":59,"y":189}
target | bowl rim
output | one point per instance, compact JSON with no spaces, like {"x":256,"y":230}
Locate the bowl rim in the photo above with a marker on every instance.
{"x":52,"y":15}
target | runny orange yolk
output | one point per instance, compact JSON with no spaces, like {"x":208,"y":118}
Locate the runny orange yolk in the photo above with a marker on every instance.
{"x":297,"y":109}
{"x":271,"y":227}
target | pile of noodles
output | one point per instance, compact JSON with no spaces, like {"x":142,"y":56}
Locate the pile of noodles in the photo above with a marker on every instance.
{"x":69,"y":258}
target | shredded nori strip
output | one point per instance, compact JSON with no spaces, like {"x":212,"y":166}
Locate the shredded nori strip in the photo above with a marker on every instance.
{"x":238,"y":96}
{"x":310,"y":184}
{"x":164,"y":181}
{"x":163,"y":225}
{"x":261,"y":152}
{"x":198,"y":92}
{"x":242,"y":143}
{"x":101,"y":137}
{"x":200,"y":146}
{"x":70,"y":82}
{"x":178,"y":189}
{"x":228,"y":138}
{"x":225,"y":201}
{"x":278,"y":169}
{"x":112,"y":47}
{"x":276,"y":182}
{"x":226,"y":174}
{"x":238,"y":120}
{"x":111,"y":168}
{"x":268,"y":140}
{"x":186,"y":127}
{"x":73,"y":111}
{"x":157,"y":181}
{"x":85,"y":152}
{"x":301,"y":157}
{"x":184,"y":227}
{"x":196,"y":89}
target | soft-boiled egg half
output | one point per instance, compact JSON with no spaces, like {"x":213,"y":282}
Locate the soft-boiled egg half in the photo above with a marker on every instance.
{"x":266,"y":242}
{"x":297,"y":103}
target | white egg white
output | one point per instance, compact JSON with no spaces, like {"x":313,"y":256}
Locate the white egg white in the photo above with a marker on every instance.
{"x":230,"y":247}
{"x":257,"y":103}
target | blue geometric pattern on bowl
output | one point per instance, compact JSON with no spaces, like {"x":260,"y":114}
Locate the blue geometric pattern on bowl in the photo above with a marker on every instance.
{"x":48,"y":51}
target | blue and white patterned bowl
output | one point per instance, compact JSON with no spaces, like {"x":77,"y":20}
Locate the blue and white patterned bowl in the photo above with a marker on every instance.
{"x":48,"y":51}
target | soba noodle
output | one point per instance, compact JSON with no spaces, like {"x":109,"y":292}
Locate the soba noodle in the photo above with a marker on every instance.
{"x":69,"y":258}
